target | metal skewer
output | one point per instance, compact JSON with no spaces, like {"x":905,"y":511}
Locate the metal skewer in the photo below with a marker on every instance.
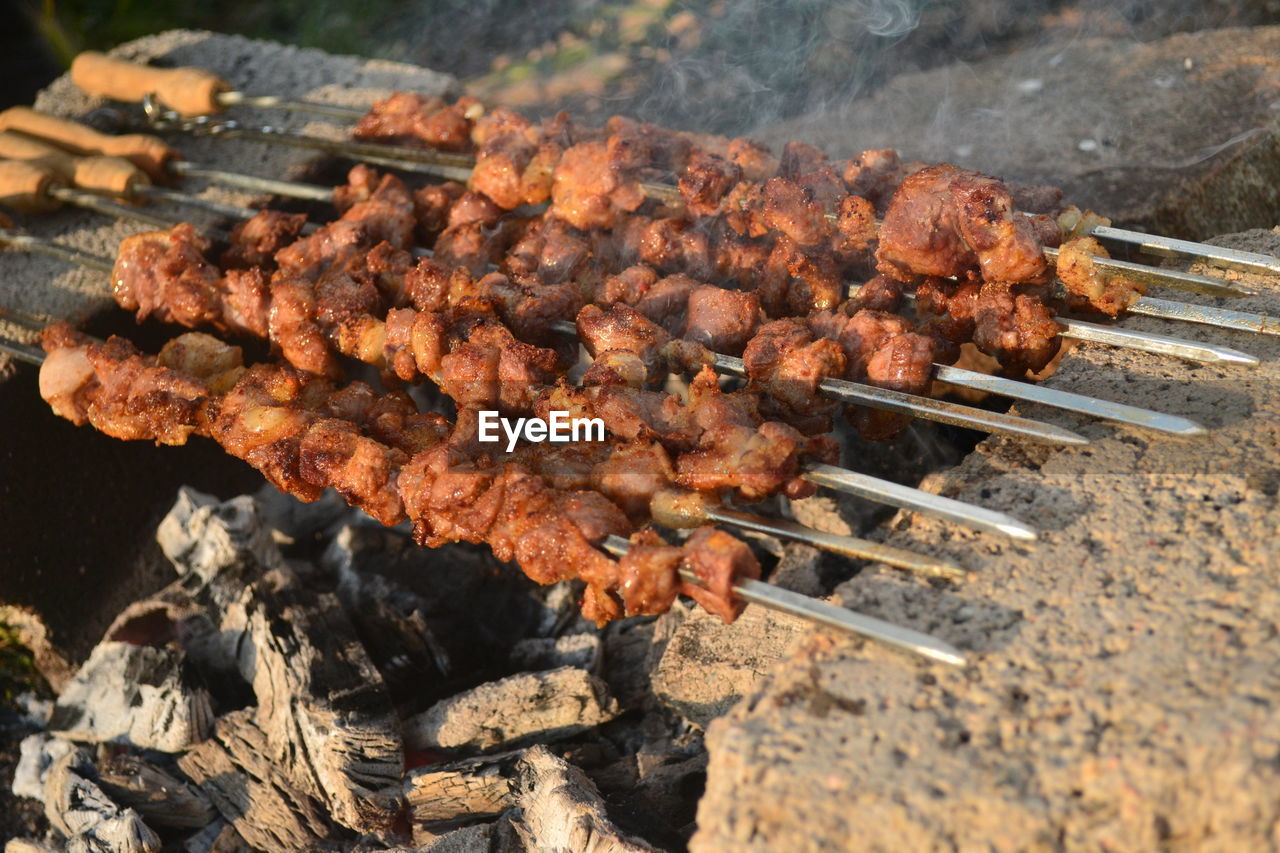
{"x":1222,"y":318}
{"x":813,"y":610}
{"x":1082,"y":330}
{"x":1171,"y":247}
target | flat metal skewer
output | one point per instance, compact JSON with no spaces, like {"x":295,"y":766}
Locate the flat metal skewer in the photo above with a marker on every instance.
{"x":928,"y":408}
{"x":845,"y":546}
{"x":22,"y":352}
{"x":1082,"y":330}
{"x":823,"y":613}
{"x":1208,"y":315}
{"x":1104,"y":409}
{"x":906,"y":497}
{"x":1171,"y":247}
{"x":275,"y":102}
{"x":288,"y":189}
{"x":1157,"y":276}
{"x":18,"y":240}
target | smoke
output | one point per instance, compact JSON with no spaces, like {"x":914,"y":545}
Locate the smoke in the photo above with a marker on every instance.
{"x":883,"y":18}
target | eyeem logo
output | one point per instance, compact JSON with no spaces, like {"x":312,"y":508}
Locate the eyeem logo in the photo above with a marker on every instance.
{"x":559,"y":429}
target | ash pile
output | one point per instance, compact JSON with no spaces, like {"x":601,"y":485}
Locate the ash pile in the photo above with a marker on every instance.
{"x":311,"y":681}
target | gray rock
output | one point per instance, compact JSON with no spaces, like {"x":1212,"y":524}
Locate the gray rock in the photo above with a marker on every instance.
{"x":1177,"y":136}
{"x":1123,"y":687}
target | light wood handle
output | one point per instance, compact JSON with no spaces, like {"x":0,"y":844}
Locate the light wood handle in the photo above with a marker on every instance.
{"x":146,"y":152}
{"x":95,"y":173}
{"x":190,"y":91}
{"x":24,"y":187}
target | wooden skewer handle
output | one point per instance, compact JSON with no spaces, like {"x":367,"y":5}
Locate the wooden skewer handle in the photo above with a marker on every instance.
{"x":148,"y":153}
{"x":24,"y":187}
{"x":190,"y":91}
{"x":107,"y":175}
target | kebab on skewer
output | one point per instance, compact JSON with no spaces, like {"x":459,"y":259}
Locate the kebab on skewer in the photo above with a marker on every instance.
{"x":383,"y":456}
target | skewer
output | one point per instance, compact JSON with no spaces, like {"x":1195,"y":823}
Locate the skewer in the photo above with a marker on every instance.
{"x":692,"y":510}
{"x":1171,"y":247}
{"x":813,"y":610}
{"x":1081,"y":330}
{"x":905,"y":497}
{"x":928,"y":408}
{"x":752,"y":591}
{"x":458,"y":167}
{"x":1016,"y":390}
{"x":188,"y":90}
{"x":155,"y":156}
{"x":1208,"y":315}
{"x":1094,"y":406}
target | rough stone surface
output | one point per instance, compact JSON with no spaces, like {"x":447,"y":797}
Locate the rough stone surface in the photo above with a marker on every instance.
{"x":1178,"y":136}
{"x":708,"y":666}
{"x":1122,"y":692}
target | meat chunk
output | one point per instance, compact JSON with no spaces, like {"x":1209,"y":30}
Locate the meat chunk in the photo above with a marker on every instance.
{"x":165,"y":274}
{"x":1015,"y":328}
{"x":623,"y":328}
{"x":706,"y":181}
{"x":589,"y":191}
{"x":721,"y":320}
{"x":946,"y":221}
{"x":787,"y":362}
{"x":410,"y":118}
{"x":255,"y":241}
{"x":1090,"y":289}
{"x":791,"y":209}
{"x":719,"y":561}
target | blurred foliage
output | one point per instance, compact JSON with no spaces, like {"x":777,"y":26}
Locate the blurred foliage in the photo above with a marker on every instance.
{"x":17,"y":668}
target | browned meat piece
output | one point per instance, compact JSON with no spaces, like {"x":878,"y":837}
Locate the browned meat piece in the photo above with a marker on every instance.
{"x":791,"y":210}
{"x":255,"y":241}
{"x":261,"y":420}
{"x":409,"y":118}
{"x":564,"y":252}
{"x":165,"y":273}
{"x":589,"y":191}
{"x":946,"y":221}
{"x":246,"y":302}
{"x":649,"y":575}
{"x":1090,"y":289}
{"x":786,"y":362}
{"x":387,"y":212}
{"x":719,"y":561}
{"x":677,"y":246}
{"x":1015,"y":328}
{"x":623,"y":328}
{"x":705,"y":182}
{"x":721,"y":320}
{"x":947,"y":311}
{"x":903,"y":363}
{"x":477,"y":245}
{"x":489,"y":369}
{"x":333,"y":453}
{"x":879,"y":294}
{"x":473,"y":207}
{"x":633,"y":146}
{"x":501,"y":162}
{"x":875,"y":175}
{"x":631,"y":285}
{"x":292,"y":327}
{"x":743,"y":210}
{"x":740,"y":259}
{"x":801,"y":158}
{"x":123,"y":393}
{"x":431,"y":207}
{"x":631,"y":474}
{"x":856,"y":228}
{"x":859,"y":336}
{"x":754,"y":158}
{"x":796,"y":281}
